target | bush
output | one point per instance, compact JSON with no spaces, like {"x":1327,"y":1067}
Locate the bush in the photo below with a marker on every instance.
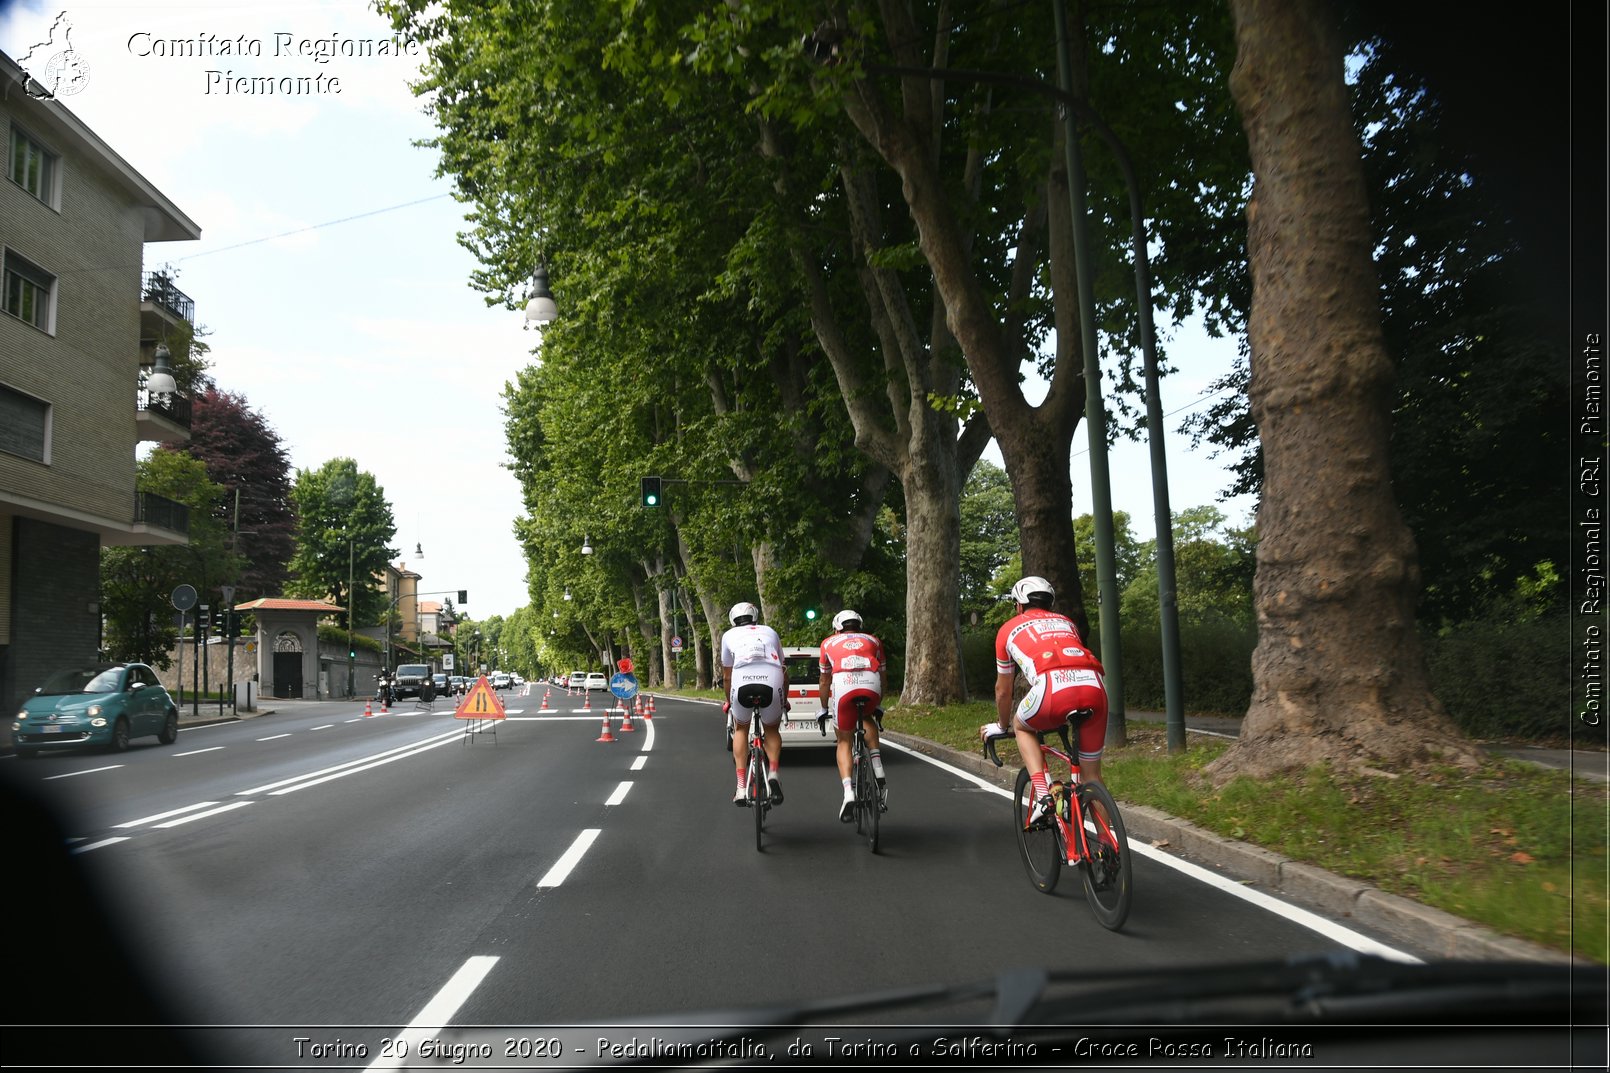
{"x":1504,"y":676}
{"x":1215,"y":667}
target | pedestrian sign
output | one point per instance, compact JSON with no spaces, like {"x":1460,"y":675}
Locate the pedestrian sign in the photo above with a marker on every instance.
{"x":480,"y":703}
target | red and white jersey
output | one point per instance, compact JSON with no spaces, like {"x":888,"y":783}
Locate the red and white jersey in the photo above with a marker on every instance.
{"x":851,"y":652}
{"x":742,"y":646}
{"x":1038,"y":641}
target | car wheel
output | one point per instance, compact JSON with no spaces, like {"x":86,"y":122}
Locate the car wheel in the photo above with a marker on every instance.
{"x":170,"y":728}
{"x":120,"y":735}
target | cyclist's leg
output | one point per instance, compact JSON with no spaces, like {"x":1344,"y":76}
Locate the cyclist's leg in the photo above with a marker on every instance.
{"x":1093,"y":731}
{"x":740,"y":751}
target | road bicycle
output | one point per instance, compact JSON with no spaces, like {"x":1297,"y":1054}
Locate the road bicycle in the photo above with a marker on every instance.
{"x":869,"y":798}
{"x":1082,"y":827}
{"x":757,"y":789}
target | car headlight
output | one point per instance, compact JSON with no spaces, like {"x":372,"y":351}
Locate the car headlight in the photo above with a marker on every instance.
{"x":93,"y":710}
{"x":23,"y":714}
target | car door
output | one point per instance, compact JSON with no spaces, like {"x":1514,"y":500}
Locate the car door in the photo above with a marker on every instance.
{"x":146,"y":702}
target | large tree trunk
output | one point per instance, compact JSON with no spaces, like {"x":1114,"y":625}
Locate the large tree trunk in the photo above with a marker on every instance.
{"x":1338,"y":673}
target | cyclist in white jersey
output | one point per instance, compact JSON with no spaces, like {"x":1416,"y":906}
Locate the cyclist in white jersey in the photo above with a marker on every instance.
{"x":752,"y":654}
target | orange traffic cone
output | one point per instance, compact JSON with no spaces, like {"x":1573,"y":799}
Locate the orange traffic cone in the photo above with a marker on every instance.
{"x":626,"y":723}
{"x":587,"y":703}
{"x":650,"y":714}
{"x":545,"y":697}
{"x":385,"y":705}
{"x":368,"y":710}
{"x":606,"y":735}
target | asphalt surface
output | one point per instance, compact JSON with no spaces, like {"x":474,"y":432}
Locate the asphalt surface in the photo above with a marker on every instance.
{"x":1338,"y":897}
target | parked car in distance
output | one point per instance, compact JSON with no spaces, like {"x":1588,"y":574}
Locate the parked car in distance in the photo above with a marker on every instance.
{"x":578,"y":679}
{"x":99,"y":705}
{"x":409,"y":679}
{"x":461,"y":685}
{"x":596,"y":680}
{"x":500,"y":680}
{"x":444,"y":686}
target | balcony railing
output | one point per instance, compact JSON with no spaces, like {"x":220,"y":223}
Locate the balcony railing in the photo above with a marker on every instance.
{"x":176,"y":408}
{"x":158,"y":288}
{"x":152,"y":509}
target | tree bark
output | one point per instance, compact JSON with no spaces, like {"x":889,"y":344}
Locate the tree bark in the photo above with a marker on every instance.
{"x":1338,"y":674}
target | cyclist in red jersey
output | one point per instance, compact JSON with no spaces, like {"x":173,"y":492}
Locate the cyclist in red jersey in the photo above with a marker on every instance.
{"x":852,"y":666}
{"x":1062,"y":675}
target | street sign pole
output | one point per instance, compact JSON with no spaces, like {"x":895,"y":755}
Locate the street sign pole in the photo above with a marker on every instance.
{"x":229,"y":639}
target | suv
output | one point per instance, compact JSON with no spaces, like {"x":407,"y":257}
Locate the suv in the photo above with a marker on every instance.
{"x":410,"y":679}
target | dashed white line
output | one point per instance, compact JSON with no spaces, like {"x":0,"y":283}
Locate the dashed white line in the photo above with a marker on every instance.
{"x":204,"y":815}
{"x":325,"y":726}
{"x":274,"y":737}
{"x":438,"y":1012}
{"x":619,"y":795}
{"x":86,"y":771}
{"x":98,"y":845}
{"x":572,"y":857}
{"x":165,"y":815}
{"x":198,"y":752}
{"x":637,"y":765}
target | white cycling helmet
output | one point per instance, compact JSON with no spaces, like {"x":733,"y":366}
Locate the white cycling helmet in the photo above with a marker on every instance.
{"x":842,"y":620}
{"x":743,"y":614}
{"x":1029,"y":587}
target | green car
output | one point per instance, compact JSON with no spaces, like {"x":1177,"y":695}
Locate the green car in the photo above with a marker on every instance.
{"x":102,"y":705}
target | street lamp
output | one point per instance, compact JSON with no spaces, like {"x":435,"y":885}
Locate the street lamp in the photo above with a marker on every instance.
{"x":161,"y":381}
{"x":541,"y":309}
{"x":586,"y":546}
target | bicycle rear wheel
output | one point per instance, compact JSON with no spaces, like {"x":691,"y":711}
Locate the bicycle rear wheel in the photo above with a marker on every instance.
{"x":1041,"y":842}
{"x":759,"y":792}
{"x":1106,"y":869}
{"x":866,"y":797}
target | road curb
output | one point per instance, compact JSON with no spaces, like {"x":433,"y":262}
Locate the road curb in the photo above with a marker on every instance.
{"x":1439,"y":933}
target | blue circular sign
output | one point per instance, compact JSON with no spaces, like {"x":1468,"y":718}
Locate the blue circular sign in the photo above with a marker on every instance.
{"x":623,"y":685}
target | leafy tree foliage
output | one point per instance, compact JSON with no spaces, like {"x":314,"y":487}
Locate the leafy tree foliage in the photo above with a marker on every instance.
{"x":344,"y":528}
{"x":1213,"y":566}
{"x":245,"y":456}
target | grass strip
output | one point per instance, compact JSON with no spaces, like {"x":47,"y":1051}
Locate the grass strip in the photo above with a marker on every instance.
{"x":1519,"y":849}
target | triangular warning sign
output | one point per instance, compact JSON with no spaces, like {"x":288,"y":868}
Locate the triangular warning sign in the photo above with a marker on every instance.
{"x":480,"y":702}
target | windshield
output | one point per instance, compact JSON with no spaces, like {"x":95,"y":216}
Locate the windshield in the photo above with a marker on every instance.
{"x":418,"y":670}
{"x":84,"y":680}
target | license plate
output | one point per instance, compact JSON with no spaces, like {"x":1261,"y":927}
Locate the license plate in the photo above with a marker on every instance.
{"x":51,"y":729}
{"x":799,"y":724}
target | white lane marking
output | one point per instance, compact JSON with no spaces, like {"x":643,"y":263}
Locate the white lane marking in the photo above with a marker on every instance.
{"x":439,"y":1011}
{"x":326,"y":726}
{"x":204,"y":815}
{"x":648,"y":738}
{"x":572,"y":857}
{"x":86,"y":771}
{"x":451,"y":735}
{"x":311,"y":781}
{"x":619,"y":795}
{"x":274,"y":737}
{"x":198,"y":752}
{"x":98,"y":845}
{"x":1313,"y":921}
{"x":637,"y":765}
{"x":164,"y":815}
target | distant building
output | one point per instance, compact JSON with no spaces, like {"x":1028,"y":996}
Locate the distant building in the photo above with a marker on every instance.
{"x":78,"y":320}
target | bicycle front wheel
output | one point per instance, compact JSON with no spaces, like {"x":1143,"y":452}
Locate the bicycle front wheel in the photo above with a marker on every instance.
{"x":1106,"y":869}
{"x":866,"y":798}
{"x":1040,"y":841}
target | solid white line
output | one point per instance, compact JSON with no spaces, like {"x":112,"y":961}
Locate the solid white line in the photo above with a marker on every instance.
{"x":377,"y":763}
{"x":164,"y":815}
{"x":98,"y":845}
{"x":274,"y":737}
{"x":440,"y":1010}
{"x":637,"y":765}
{"x":619,"y":795}
{"x":648,"y":738}
{"x":86,"y":771}
{"x":204,"y":815}
{"x":1314,"y":922}
{"x":449,"y":736}
{"x":572,"y":857}
{"x":198,"y":752}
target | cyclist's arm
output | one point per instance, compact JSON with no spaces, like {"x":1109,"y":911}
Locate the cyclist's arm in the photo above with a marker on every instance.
{"x":1003,"y":699}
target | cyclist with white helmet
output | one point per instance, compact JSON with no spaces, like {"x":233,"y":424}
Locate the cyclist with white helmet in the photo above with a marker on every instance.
{"x":852,"y":668}
{"x":1062,"y":676}
{"x":752,"y":654}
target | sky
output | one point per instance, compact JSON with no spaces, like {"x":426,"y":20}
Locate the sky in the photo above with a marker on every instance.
{"x":331,"y":284}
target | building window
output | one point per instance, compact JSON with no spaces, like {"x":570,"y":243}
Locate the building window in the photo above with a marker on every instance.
{"x":33,"y":167}
{"x":24,"y":425}
{"x":29,"y":290}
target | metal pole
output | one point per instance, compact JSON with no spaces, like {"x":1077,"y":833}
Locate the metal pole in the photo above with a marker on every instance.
{"x":1095,"y":414}
{"x":352,"y":669}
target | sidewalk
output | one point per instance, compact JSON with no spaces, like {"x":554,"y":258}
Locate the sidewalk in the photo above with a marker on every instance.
{"x":1437,"y":933}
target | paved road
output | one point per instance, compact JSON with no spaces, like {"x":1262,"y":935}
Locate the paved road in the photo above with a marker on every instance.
{"x":319,"y":868}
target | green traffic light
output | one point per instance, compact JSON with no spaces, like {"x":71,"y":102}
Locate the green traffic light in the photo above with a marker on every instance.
{"x":810,"y":615}
{"x":652,"y":500}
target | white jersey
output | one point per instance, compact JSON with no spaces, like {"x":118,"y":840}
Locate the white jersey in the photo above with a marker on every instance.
{"x":743,"y":646}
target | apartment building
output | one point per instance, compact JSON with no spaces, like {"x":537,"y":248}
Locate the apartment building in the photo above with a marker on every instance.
{"x":79,"y":324}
